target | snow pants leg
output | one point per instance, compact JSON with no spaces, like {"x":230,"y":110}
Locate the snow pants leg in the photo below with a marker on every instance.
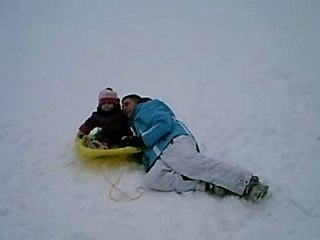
{"x":181,"y":168}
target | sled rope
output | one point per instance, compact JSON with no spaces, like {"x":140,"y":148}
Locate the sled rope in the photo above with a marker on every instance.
{"x":127,"y":198}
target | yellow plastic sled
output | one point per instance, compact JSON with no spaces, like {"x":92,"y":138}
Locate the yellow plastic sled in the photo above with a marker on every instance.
{"x":113,"y":153}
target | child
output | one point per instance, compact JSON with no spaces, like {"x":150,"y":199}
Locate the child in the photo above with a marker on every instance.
{"x":109,"y":118}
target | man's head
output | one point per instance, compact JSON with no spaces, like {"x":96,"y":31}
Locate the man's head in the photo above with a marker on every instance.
{"x":129,"y":102}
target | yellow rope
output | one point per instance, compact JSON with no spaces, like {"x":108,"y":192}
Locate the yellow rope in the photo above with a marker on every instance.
{"x":127,"y":198}
{"x":139,"y":191}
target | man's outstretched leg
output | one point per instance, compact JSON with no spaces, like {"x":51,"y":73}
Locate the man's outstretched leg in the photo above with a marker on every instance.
{"x":162,"y":178}
{"x":182,"y":157}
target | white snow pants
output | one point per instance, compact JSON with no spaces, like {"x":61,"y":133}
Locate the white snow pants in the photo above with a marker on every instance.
{"x":181,"y":159}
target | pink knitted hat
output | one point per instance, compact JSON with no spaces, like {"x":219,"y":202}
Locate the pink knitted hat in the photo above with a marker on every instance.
{"x":108,"y":95}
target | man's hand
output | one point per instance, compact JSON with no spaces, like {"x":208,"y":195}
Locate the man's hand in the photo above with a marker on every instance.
{"x":132,"y":141}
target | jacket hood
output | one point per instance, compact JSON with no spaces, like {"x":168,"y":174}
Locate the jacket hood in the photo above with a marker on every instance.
{"x":144,"y":99}
{"x":141,"y":100}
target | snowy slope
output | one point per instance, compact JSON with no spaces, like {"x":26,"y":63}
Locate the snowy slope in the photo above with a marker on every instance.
{"x":243,"y":75}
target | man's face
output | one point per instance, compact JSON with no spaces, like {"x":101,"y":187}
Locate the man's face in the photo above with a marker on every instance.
{"x":128,"y":105}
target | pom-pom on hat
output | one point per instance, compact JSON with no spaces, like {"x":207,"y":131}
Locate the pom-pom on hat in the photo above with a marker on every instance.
{"x":108,"y":95}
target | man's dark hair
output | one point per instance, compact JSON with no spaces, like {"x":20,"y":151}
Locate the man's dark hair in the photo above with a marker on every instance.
{"x":134,"y":97}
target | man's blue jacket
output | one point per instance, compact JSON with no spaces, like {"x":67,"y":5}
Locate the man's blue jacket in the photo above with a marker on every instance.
{"x":155,"y":123}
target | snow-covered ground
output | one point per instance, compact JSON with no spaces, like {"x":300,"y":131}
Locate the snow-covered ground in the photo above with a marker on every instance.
{"x":243,"y":75}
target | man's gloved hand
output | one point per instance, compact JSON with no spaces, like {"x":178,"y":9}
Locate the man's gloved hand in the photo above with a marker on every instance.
{"x":132,"y":141}
{"x":80,"y":135}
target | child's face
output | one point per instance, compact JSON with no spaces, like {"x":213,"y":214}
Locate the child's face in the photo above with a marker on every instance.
{"x":106,"y":106}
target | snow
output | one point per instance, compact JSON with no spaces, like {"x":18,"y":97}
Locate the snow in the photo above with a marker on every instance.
{"x":243,"y":75}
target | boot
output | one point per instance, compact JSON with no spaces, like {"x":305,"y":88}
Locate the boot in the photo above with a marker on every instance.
{"x":255,"y":191}
{"x":94,"y":144}
{"x":99,"y":145}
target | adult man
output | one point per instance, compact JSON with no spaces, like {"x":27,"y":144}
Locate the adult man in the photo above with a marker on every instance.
{"x":172,"y":159}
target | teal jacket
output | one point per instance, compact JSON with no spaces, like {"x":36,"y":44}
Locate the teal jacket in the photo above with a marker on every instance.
{"x":155,"y":123}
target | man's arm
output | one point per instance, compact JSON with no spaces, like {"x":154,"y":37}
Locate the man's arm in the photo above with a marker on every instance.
{"x":161,"y":125}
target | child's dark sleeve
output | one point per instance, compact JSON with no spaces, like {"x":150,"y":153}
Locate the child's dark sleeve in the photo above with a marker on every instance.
{"x":89,"y":125}
{"x":128,"y":131}
{"x":126,"y":126}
